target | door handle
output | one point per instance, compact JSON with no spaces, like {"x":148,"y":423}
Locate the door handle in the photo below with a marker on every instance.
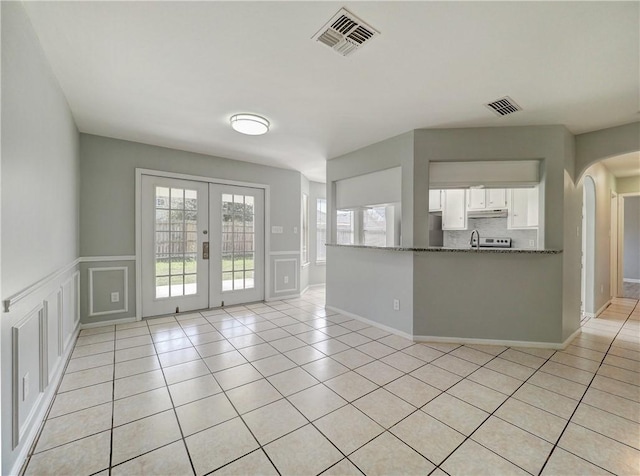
{"x":205,"y":250}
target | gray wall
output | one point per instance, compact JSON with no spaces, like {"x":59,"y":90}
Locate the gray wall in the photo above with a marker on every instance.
{"x":365,"y":282}
{"x":40,"y":160}
{"x":487,"y":296}
{"x":592,"y":147}
{"x":107,"y":206}
{"x":40,"y":189}
{"x":632,"y":237}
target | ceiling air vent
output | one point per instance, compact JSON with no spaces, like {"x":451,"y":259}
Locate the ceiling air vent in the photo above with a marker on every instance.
{"x":504,"y":106}
{"x":345,"y":33}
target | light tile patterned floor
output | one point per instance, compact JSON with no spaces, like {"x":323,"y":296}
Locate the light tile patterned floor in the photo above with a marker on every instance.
{"x":292,"y":388}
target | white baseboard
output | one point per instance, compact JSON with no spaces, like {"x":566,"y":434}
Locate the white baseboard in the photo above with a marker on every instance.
{"x":631,"y":280}
{"x":599,"y":311}
{"x":372,"y":323}
{"x":89,"y":325}
{"x":45,"y":405}
{"x":280,"y":298}
{"x":318,"y":285}
{"x":506,"y":343}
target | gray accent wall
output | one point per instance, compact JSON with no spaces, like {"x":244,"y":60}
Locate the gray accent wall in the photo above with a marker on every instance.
{"x":107,"y":207}
{"x":632,"y":238}
{"x":40,"y":232}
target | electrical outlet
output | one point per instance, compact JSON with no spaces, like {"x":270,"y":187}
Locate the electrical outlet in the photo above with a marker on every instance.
{"x":396,"y":304}
{"x":25,"y":386}
{"x":286,"y":280}
{"x":276,"y":230}
{"x":532,"y":243}
{"x":295,"y":230}
{"x":115,"y":297}
{"x":601,"y":288}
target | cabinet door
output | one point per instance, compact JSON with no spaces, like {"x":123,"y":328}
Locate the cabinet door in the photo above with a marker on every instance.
{"x":523,"y":208}
{"x":496,"y":198}
{"x":435,"y":200}
{"x":477,"y":199}
{"x":454,"y":216}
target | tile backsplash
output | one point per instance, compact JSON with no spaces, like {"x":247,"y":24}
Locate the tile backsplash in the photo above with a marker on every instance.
{"x":490,"y":227}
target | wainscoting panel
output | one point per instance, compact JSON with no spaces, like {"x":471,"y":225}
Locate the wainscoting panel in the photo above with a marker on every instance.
{"x":285,"y":273}
{"x":40,"y":328}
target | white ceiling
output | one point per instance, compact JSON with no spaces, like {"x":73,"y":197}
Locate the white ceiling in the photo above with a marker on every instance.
{"x":172,"y":73}
{"x":626,"y":165}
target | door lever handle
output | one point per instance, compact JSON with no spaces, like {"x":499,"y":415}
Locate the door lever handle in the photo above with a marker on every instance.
{"x":205,"y":250}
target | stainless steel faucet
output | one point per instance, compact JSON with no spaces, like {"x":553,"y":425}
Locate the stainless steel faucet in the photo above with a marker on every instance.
{"x":477,"y":243}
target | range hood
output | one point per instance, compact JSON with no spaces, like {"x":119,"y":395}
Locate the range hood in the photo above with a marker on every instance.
{"x":487,"y":213}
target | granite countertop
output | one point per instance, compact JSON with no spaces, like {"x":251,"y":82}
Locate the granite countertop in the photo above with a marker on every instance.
{"x":440,"y":249}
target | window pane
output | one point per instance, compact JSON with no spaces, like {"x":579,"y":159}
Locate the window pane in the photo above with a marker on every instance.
{"x":162,"y":265}
{"x":227,"y":262}
{"x":227,"y":242}
{"x":238,"y":280}
{"x":177,"y":285}
{"x":248,"y":261}
{"x":374,"y":226}
{"x":162,"y":197}
{"x":227,"y":281}
{"x":190,"y":200}
{"x":162,"y":220}
{"x":238,"y":242}
{"x":249,"y":242}
{"x":190,"y":284}
{"x":177,"y":265}
{"x":249,"y":282}
{"x":162,"y":287}
{"x":305,"y":228}
{"x":190,"y":263}
{"x":344,"y":227}
{"x":177,"y":198}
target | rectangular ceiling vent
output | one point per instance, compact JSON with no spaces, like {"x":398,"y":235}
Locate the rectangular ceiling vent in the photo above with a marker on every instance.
{"x":345,"y":33}
{"x":504,"y":106}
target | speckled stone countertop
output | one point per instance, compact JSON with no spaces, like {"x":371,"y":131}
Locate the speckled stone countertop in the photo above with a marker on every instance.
{"x":439,"y":249}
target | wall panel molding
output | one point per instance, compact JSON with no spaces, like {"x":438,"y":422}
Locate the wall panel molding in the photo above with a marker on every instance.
{"x":280,"y":262}
{"x":125,"y":294}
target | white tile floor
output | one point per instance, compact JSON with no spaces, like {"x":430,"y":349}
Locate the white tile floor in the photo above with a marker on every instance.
{"x":292,"y":388}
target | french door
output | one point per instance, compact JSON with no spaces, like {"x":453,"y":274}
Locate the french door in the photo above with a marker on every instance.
{"x":202,"y":245}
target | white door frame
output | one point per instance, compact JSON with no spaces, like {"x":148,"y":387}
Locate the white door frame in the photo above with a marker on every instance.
{"x":589,"y":202}
{"x":621,"y":198}
{"x":160,"y":173}
{"x":613,"y":255}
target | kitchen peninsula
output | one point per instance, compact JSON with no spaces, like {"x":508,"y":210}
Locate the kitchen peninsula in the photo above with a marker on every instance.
{"x":510,"y":296}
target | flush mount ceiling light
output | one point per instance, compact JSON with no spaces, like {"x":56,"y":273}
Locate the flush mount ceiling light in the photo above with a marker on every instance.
{"x":249,"y":124}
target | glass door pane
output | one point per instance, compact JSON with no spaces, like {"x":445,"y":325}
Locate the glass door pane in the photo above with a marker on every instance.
{"x":238,"y":242}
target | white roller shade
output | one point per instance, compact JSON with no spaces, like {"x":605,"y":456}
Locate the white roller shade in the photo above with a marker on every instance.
{"x":498,"y":173}
{"x":370,"y":189}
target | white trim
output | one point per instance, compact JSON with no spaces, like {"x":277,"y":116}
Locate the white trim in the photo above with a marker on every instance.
{"x":304,"y":290}
{"x":460,"y":340}
{"x":281,"y":298}
{"x":99,"y":259}
{"x":373,"y":323}
{"x":317,"y":285}
{"x":630,"y":280}
{"x":321,"y":263}
{"x":284,"y":253}
{"x":13,"y":300}
{"x":275,"y":271}
{"x":597,"y":313}
{"x":125,"y":293}
{"x":90,"y":325}
{"x":305,"y":265}
{"x":506,"y":343}
{"x":44,"y":404}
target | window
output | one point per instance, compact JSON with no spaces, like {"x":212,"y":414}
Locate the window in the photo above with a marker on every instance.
{"x":345,"y":227}
{"x":305,"y":228}
{"x":374,"y":227}
{"x":321,"y":229}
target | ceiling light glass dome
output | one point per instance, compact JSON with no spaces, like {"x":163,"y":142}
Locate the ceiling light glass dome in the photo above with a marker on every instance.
{"x":249,"y":124}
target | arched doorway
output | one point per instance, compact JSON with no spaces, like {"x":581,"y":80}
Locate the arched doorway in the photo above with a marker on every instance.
{"x":588,"y":246}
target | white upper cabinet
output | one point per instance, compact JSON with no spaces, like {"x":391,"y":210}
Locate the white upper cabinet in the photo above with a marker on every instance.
{"x":435,"y":200}
{"x":496,"y":198}
{"x":477,"y":199}
{"x":454,"y":214}
{"x":523,"y":208}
